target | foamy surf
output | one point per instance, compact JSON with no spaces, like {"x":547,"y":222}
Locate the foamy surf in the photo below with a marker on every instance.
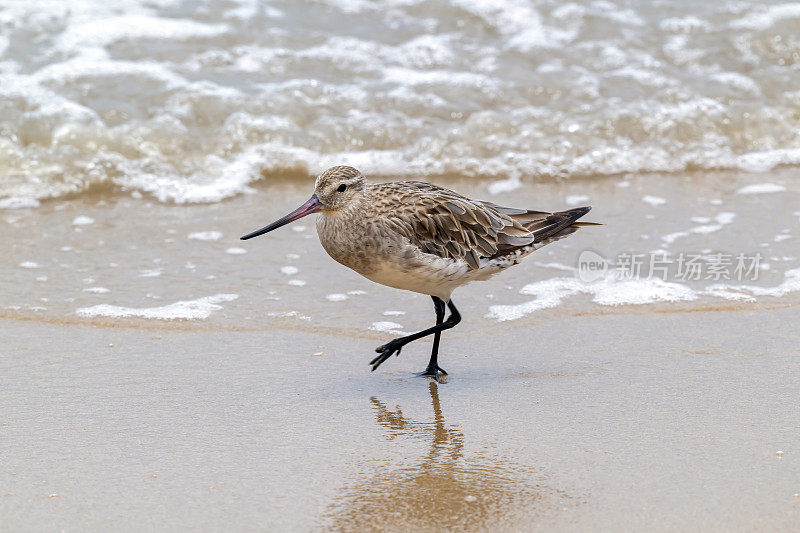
{"x":198,"y":309}
{"x":514,"y":91}
{"x":611,"y":291}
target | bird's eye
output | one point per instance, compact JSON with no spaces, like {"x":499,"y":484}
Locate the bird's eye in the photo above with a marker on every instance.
{"x":341,"y":187}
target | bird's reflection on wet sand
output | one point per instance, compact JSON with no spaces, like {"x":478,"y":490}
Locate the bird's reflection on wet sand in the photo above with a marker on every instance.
{"x":446,"y":489}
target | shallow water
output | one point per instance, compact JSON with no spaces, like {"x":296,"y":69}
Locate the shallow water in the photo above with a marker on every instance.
{"x":191,"y":102}
{"x":109,"y":260}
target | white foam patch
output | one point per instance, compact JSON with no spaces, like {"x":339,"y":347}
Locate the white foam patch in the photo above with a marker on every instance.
{"x":96,"y":290}
{"x":289,"y":270}
{"x":654,"y":200}
{"x":82,"y":220}
{"x":576,"y":199}
{"x":214,"y":180}
{"x":105,"y":31}
{"x":608,"y":291}
{"x":759,"y":161}
{"x":390,"y":327}
{"x":722,"y":219}
{"x":206,"y":235}
{"x":150,"y":273}
{"x":672,"y":237}
{"x":17,"y":202}
{"x":556,"y":266}
{"x":393,"y":313}
{"x":506,"y":185}
{"x":710,"y":228}
{"x":336,"y":297}
{"x":297,"y":282}
{"x":235,"y":251}
{"x":289,"y":314}
{"x":725,"y":218}
{"x":356,"y":292}
{"x":614,"y":292}
{"x":790,"y":284}
{"x":761,"y":188}
{"x":725,"y":292}
{"x":29,"y":264}
{"x":738,"y":81}
{"x":767,"y":17}
{"x":198,"y":309}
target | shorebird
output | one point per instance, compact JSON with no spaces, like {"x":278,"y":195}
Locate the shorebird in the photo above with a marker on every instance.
{"x":423,"y":238}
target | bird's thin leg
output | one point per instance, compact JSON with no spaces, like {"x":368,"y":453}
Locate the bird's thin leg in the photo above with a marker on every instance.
{"x":395,"y":345}
{"x":433,"y":368}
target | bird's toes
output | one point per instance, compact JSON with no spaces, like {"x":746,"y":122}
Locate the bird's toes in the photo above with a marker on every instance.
{"x":392,"y":345}
{"x":385,"y":354}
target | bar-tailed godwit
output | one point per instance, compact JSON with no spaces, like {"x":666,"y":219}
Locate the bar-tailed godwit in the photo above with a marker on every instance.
{"x":420,"y":237}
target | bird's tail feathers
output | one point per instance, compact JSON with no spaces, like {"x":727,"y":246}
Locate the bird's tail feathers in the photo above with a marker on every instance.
{"x":552,"y":225}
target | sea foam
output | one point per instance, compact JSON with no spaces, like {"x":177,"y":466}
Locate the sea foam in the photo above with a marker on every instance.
{"x":206,"y":235}
{"x":761,"y":188}
{"x":516,"y":92}
{"x":611,"y":291}
{"x":198,"y":309}
{"x":385,"y":325}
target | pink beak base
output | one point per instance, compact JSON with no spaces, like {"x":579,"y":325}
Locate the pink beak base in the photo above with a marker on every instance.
{"x":313,"y":205}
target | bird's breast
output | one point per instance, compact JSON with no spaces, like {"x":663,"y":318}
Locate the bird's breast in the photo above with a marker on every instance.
{"x":381,"y":255}
{"x":357,"y":243}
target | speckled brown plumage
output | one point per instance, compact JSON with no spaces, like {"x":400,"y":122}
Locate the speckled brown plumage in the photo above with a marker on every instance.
{"x":433,"y":238}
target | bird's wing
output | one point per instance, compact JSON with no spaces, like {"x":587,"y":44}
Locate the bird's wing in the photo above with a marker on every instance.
{"x":449,"y":225}
{"x":545,"y":225}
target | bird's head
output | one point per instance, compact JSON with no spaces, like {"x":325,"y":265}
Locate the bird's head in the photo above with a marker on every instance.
{"x":335,"y":189}
{"x":338,"y":187}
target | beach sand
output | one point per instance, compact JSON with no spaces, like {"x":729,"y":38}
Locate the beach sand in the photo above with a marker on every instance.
{"x":257,"y":409}
{"x":660,"y":422}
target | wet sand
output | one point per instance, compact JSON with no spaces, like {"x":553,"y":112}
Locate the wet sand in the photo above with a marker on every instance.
{"x":601,"y":422}
{"x":260,"y":411}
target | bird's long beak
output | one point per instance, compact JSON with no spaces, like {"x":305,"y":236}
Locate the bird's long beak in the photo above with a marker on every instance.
{"x":311,"y":206}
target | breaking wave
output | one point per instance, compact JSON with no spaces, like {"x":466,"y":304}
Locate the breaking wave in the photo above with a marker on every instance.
{"x":194,"y":105}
